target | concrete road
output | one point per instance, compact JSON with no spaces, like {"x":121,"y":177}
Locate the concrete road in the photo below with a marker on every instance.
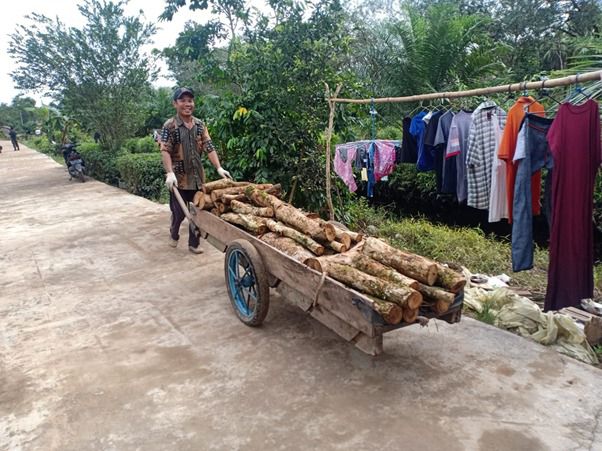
{"x":110,"y":339}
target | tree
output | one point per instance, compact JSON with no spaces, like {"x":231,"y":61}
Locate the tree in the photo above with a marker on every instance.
{"x":98,"y":70}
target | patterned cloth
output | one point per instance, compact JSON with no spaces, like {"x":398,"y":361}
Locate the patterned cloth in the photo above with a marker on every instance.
{"x":479,"y":156}
{"x":184,"y":146}
{"x":384,"y":159}
{"x":343,"y":165}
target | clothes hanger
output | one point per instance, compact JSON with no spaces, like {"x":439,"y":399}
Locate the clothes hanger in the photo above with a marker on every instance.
{"x":544,"y":93}
{"x":577,"y":90}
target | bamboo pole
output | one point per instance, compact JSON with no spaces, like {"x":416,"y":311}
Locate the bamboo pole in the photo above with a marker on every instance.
{"x":328,"y":138}
{"x":553,"y":83}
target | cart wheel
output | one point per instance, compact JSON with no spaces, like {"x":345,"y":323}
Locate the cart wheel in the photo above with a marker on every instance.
{"x":247,"y":282}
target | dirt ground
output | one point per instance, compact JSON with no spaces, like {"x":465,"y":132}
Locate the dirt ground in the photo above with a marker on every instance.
{"x":110,"y":339}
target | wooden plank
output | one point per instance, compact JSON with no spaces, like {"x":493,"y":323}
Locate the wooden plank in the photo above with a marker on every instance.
{"x":321,"y":313}
{"x":216,"y":243}
{"x":369,"y":345}
{"x":335,"y":296}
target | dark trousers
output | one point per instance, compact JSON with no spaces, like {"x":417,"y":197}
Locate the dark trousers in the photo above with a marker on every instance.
{"x":177,"y":216}
{"x":15,"y":144}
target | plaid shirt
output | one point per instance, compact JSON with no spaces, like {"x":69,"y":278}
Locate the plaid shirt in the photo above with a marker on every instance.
{"x":184,"y":146}
{"x":479,"y":156}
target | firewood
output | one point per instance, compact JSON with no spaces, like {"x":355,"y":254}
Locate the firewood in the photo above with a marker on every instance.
{"x":205,"y":202}
{"x":239,"y":207}
{"x":340,"y":235}
{"x":449,"y":279}
{"x":292,"y":249}
{"x":222,"y":184}
{"x":245,"y":221}
{"x":402,"y":296}
{"x":411,"y":265}
{"x":223,"y":208}
{"x":227,"y":198}
{"x":390,"y":312}
{"x":436,"y":294}
{"x":295,"y":218}
{"x":197,"y":198}
{"x":299,"y":237}
{"x":262,"y":198}
{"x":438,"y":306}
{"x":336,"y":246}
{"x":216,"y":194}
{"x":374,"y":268}
{"x":214,"y":211}
{"x":410,"y":315}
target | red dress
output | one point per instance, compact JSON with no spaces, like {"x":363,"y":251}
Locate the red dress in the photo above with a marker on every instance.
{"x":574,"y":140}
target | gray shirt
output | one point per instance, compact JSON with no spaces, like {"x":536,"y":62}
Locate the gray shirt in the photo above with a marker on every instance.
{"x":457,"y":145}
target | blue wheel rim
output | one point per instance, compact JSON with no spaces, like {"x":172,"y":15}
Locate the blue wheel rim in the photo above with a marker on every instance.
{"x":243,"y":284}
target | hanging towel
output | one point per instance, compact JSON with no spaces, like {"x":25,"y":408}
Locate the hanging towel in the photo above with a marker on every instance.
{"x":384,"y":159}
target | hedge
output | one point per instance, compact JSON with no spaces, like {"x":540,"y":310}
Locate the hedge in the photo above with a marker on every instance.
{"x":102,"y":164}
{"x":143,"y":174}
{"x":141,"y":145}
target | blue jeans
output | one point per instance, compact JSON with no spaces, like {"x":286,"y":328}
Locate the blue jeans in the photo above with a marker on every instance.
{"x":537,"y":156}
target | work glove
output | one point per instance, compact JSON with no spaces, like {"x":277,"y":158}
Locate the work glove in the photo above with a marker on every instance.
{"x":171,"y":180}
{"x":224,"y":174}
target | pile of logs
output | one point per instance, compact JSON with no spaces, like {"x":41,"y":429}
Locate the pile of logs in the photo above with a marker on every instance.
{"x":399,"y":283}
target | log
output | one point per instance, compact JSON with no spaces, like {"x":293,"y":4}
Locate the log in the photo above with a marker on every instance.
{"x":214,"y":211}
{"x":222,"y":184}
{"x":216,"y":194}
{"x":411,"y":265}
{"x":439,"y":306}
{"x":205,"y":202}
{"x":223,"y":208}
{"x":410,"y":315}
{"x":196,"y":200}
{"x":289,"y":232}
{"x":336,"y":246}
{"x":340,"y":235}
{"x":436,"y":294}
{"x":449,"y":279}
{"x":374,"y":268}
{"x":262,"y":198}
{"x":227,"y":198}
{"x":292,"y":249}
{"x":246,"y":221}
{"x":355,"y":237}
{"x":390,"y":312}
{"x":402,"y":296}
{"x":295,"y":218}
{"x":240,"y":207}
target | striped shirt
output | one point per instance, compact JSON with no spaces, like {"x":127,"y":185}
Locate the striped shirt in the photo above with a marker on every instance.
{"x":479,"y":156}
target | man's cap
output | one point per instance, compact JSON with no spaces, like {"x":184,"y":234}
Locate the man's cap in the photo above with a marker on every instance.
{"x":181,"y":91}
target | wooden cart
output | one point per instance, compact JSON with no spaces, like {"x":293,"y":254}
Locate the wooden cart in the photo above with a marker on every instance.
{"x":252,"y":267}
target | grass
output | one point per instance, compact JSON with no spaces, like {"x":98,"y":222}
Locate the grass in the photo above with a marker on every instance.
{"x":487,"y":315}
{"x":468,"y":247}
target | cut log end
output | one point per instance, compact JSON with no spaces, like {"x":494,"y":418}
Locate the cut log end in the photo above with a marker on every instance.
{"x":410,"y":315}
{"x":314,"y":264}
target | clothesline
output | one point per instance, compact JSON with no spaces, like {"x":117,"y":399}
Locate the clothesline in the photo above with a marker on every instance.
{"x":551,"y":83}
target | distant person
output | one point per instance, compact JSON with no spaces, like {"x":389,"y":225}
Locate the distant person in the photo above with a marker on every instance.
{"x":96,"y":137}
{"x":13,"y":139}
{"x":156,"y":135}
{"x":27,"y":133}
{"x":183,"y":141}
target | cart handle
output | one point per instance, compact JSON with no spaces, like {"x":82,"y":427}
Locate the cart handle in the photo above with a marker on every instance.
{"x":183,"y":205}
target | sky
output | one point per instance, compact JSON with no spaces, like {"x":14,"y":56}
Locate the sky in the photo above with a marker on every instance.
{"x":13,"y":14}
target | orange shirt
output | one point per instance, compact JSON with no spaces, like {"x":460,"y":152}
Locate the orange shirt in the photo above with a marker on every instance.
{"x":506,"y":152}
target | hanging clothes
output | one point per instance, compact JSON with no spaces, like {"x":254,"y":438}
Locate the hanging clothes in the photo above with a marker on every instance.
{"x":508,"y":146}
{"x":344,"y":158}
{"x":532,"y":153}
{"x":498,"y":202}
{"x":417,"y":128}
{"x":481,"y":147}
{"x":445,"y":169}
{"x":370,"y":167}
{"x":426,"y":155}
{"x":384,"y":158}
{"x":574,"y":140}
{"x":457,"y":146}
{"x":409,"y":145}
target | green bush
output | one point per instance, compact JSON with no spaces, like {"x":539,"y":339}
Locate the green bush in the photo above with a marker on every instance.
{"x":142,"y":173}
{"x":42,"y":144}
{"x":102,"y":164}
{"x":141,"y":145}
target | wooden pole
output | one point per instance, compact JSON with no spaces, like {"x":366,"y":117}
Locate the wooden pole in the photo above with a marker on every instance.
{"x":553,"y":83}
{"x":328,"y":138}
